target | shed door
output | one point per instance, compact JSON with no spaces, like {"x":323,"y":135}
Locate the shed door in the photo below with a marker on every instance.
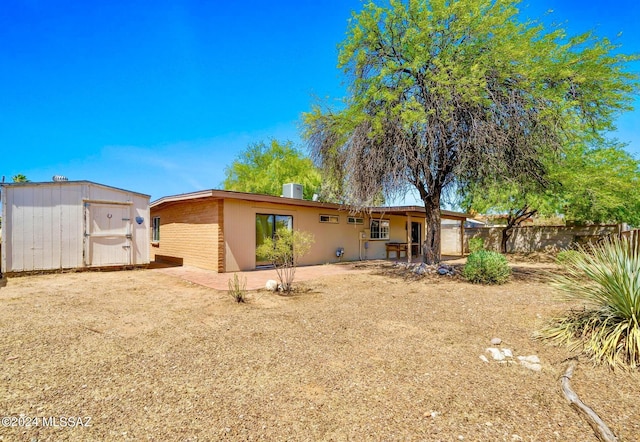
{"x":107,"y":234}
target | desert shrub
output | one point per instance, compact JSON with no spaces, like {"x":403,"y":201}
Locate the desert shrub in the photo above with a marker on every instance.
{"x":476,"y":244}
{"x":237,"y":288}
{"x":566,"y":256}
{"x":285,"y":251}
{"x":605,"y":279}
{"x":485,"y":267}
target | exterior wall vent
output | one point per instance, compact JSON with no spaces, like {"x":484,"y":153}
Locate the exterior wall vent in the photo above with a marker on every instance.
{"x":292,"y":190}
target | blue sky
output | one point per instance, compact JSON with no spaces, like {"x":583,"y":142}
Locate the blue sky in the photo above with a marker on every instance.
{"x":159,"y":96}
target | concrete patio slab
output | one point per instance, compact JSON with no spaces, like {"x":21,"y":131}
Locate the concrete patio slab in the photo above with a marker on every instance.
{"x":256,"y":279}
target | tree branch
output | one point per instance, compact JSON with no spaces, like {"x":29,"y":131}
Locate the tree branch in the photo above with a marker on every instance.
{"x":601,"y":429}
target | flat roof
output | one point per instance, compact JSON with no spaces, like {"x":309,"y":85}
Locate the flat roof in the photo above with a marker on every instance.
{"x":245,"y":196}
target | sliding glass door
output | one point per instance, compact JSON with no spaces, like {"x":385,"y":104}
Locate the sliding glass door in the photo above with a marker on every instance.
{"x":266,"y":227}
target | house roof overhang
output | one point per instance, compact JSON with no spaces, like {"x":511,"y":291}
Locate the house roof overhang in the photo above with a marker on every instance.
{"x":414,"y":211}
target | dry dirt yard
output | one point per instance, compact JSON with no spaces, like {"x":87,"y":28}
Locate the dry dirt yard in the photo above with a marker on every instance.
{"x":367,"y":356}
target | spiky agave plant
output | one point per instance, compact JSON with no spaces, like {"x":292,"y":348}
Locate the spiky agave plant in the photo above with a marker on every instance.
{"x":605,"y":279}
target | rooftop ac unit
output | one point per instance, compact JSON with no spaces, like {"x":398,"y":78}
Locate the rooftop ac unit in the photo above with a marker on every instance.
{"x":292,"y":190}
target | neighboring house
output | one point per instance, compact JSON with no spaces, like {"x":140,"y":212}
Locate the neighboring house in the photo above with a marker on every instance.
{"x":220,"y":230}
{"x":72,"y":224}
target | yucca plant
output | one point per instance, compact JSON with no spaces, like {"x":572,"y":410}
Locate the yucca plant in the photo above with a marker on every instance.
{"x":566,"y":255}
{"x":605,"y":279}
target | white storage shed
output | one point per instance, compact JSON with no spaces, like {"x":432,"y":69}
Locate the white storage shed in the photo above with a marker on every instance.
{"x":72,"y":224}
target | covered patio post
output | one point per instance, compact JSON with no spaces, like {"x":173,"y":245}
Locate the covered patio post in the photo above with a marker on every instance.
{"x":408,"y":238}
{"x":462,"y":236}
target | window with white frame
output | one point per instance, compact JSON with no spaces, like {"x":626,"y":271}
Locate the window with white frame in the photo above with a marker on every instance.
{"x":155,"y":229}
{"x":355,"y":220}
{"x":332,"y":219}
{"x":379,"y":229}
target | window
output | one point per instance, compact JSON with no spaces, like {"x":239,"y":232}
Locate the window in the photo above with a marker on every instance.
{"x":155,"y":229}
{"x":333,"y":219}
{"x":266,"y":227}
{"x":379,"y":229}
{"x":354,"y":220}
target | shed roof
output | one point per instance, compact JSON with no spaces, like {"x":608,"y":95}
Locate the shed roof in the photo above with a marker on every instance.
{"x":66,"y":183}
{"x":245,"y":196}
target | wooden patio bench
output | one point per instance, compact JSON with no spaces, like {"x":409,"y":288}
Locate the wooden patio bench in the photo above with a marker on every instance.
{"x":397,"y":247}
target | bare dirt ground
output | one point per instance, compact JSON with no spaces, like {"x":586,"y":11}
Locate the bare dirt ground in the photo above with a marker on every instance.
{"x":371,"y":356}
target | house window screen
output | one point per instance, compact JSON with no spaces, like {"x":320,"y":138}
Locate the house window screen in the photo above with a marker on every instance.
{"x":379,"y":229}
{"x":332,"y":219}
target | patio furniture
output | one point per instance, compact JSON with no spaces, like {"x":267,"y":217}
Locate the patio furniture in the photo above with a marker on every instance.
{"x":397,"y":247}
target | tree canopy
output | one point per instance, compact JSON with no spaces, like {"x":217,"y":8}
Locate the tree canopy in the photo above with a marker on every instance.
{"x":445,"y":93}
{"x":593,"y":182}
{"x":19,"y":178}
{"x":264,"y":168}
{"x":599,"y":185}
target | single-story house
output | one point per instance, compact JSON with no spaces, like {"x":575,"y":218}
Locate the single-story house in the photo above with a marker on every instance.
{"x":72,"y":225}
{"x":220,"y":230}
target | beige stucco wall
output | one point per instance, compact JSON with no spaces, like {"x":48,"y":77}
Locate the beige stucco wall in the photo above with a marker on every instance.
{"x":190,"y":233}
{"x":450,"y":238}
{"x":536,"y":238}
{"x":240,"y":237}
{"x":220,"y":234}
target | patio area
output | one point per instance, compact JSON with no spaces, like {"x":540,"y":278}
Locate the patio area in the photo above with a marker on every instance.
{"x":256,"y":279}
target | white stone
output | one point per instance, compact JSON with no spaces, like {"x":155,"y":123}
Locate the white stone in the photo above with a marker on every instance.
{"x":516,"y":437}
{"x":484,"y":358}
{"x":496,"y":354}
{"x":271,"y":285}
{"x":531,"y":366}
{"x":507,"y":352}
{"x":532,"y":359}
{"x":496,"y":341}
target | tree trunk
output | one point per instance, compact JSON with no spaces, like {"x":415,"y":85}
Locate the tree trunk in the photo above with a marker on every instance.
{"x":506,"y":234}
{"x":514,"y":219}
{"x":431,"y":246}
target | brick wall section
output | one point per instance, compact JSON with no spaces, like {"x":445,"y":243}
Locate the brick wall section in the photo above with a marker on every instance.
{"x":220,"y":231}
{"x":189,"y":232}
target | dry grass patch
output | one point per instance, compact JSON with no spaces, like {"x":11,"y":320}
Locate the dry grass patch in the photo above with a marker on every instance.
{"x":371,"y":356}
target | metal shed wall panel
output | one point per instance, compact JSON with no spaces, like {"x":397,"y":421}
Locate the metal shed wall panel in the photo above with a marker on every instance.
{"x":44,"y":226}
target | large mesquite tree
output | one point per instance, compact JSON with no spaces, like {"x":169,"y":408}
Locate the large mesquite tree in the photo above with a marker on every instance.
{"x":447,"y":92}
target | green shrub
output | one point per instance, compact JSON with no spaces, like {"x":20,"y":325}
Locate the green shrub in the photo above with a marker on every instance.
{"x":285,"y":251}
{"x":605,"y":279}
{"x":485,"y":267}
{"x":476,"y":244}
{"x":567,"y":256}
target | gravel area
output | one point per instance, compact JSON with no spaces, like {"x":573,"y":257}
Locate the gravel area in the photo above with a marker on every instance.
{"x":379,"y":355}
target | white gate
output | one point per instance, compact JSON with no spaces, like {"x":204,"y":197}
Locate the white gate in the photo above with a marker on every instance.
{"x":107,"y":234}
